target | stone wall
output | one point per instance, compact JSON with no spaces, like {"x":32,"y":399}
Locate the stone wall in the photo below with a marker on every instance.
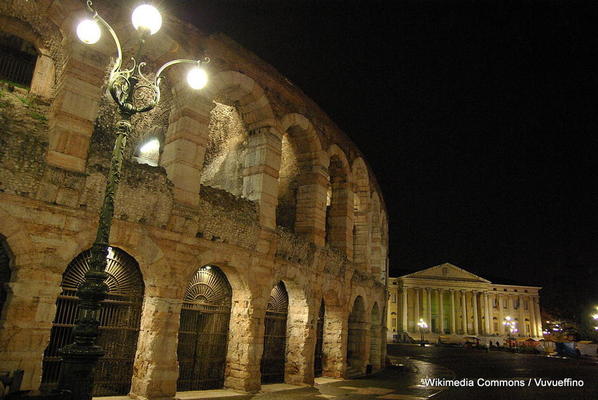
{"x":229,"y":156}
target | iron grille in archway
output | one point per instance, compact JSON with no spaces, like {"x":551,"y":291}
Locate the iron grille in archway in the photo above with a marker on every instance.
{"x":203,"y":331}
{"x":356,"y":337}
{"x":319,"y":342}
{"x":275,"y":336}
{"x":119,"y":323}
{"x":17,"y":59}
{"x":4,"y":272}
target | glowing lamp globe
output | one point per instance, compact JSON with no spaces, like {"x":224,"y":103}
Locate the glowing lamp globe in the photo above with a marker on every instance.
{"x":148,"y":18}
{"x":89,"y":31}
{"x":197,"y":78}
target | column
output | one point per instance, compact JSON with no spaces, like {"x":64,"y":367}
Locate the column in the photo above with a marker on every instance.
{"x":429,"y":307}
{"x":501,"y":318}
{"x":522,"y":328}
{"x":464,"y":311}
{"x":416,"y":309}
{"x":404,"y":309}
{"x":474,"y":298}
{"x":154,"y":374}
{"x":532,"y":316}
{"x":453,"y":325}
{"x":488,"y":311}
{"x":441,"y":310}
{"x":536,"y":304}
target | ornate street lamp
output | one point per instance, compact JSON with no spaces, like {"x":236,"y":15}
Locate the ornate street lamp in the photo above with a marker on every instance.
{"x":511,"y":325}
{"x":422,"y":325}
{"x":133,"y":93}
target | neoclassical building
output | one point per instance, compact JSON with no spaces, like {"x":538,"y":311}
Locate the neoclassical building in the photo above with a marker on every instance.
{"x":250,"y":237}
{"x":452,"y":301}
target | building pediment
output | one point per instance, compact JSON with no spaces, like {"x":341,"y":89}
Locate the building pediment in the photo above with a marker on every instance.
{"x":446,"y":272}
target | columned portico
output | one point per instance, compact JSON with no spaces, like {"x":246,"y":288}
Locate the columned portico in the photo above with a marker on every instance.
{"x":456,"y":302}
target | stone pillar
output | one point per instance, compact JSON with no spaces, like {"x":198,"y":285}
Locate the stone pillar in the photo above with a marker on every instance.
{"x":536,"y":303}
{"x":310,"y":219}
{"x":464,"y":311}
{"x":260,"y":175}
{"x":474,"y":298}
{"x":488,"y":312}
{"x":185,"y":143}
{"x":404,"y":310}
{"x":522,"y":330}
{"x":429,"y":308}
{"x":441,"y":310}
{"x":336,"y":329}
{"x":532,"y":316}
{"x":416,"y":308}
{"x":300,"y":347}
{"x":75,"y":107}
{"x":28,"y":314}
{"x":453,"y":313}
{"x":501,"y":318}
{"x":246,"y":344}
{"x":155,"y":371}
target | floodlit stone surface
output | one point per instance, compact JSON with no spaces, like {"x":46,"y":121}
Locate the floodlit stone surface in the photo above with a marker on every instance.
{"x":245,"y":181}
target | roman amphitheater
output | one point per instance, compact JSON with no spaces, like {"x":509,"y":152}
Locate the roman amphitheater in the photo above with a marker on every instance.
{"x":250,"y":237}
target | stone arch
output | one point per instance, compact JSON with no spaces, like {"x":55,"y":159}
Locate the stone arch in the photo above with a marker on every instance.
{"x":357,"y":338}
{"x":376,"y":261}
{"x":120,"y":315}
{"x":339,"y":209}
{"x":244,"y":162}
{"x":203,"y":330}
{"x":298,"y":189}
{"x":375,"y":339}
{"x":41,"y":75}
{"x":361,"y":228}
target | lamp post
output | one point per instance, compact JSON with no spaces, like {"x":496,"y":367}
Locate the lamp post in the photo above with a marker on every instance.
{"x":133,"y":93}
{"x":595,"y":318}
{"x":422,"y":325}
{"x":511,"y":325}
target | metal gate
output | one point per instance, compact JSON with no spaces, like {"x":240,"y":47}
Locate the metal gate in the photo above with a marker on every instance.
{"x":119,"y":323}
{"x":319,"y":342}
{"x":4,"y":273}
{"x":356,"y":337}
{"x":275,"y":335}
{"x":17,"y":59}
{"x":203,"y":332}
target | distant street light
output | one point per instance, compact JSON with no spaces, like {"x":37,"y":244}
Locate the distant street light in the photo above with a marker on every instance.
{"x":511,"y":325}
{"x":422,"y":325}
{"x":133,"y":93}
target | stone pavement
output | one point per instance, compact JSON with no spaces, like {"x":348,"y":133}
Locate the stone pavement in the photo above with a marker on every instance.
{"x":399,"y":383}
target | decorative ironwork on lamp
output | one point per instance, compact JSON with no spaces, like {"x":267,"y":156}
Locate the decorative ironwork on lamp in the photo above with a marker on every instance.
{"x":133,"y":93}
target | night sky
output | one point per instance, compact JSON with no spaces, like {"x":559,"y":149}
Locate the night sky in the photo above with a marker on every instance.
{"x":478,"y":118}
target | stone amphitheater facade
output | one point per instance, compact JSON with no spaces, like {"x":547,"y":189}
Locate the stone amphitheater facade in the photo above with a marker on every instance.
{"x":255,"y":201}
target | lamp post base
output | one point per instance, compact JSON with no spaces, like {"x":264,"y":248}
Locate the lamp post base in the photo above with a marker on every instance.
{"x":77,"y":370}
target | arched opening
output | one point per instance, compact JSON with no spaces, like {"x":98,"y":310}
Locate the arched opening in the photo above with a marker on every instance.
{"x":375,"y":337}
{"x":149,"y":148}
{"x":17,"y":60}
{"x":119,"y":322}
{"x":356,"y":339}
{"x":319,"y":355}
{"x":275,"y":335}
{"x":203,"y":331}
{"x":5,"y":260}
{"x":226,"y":149}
